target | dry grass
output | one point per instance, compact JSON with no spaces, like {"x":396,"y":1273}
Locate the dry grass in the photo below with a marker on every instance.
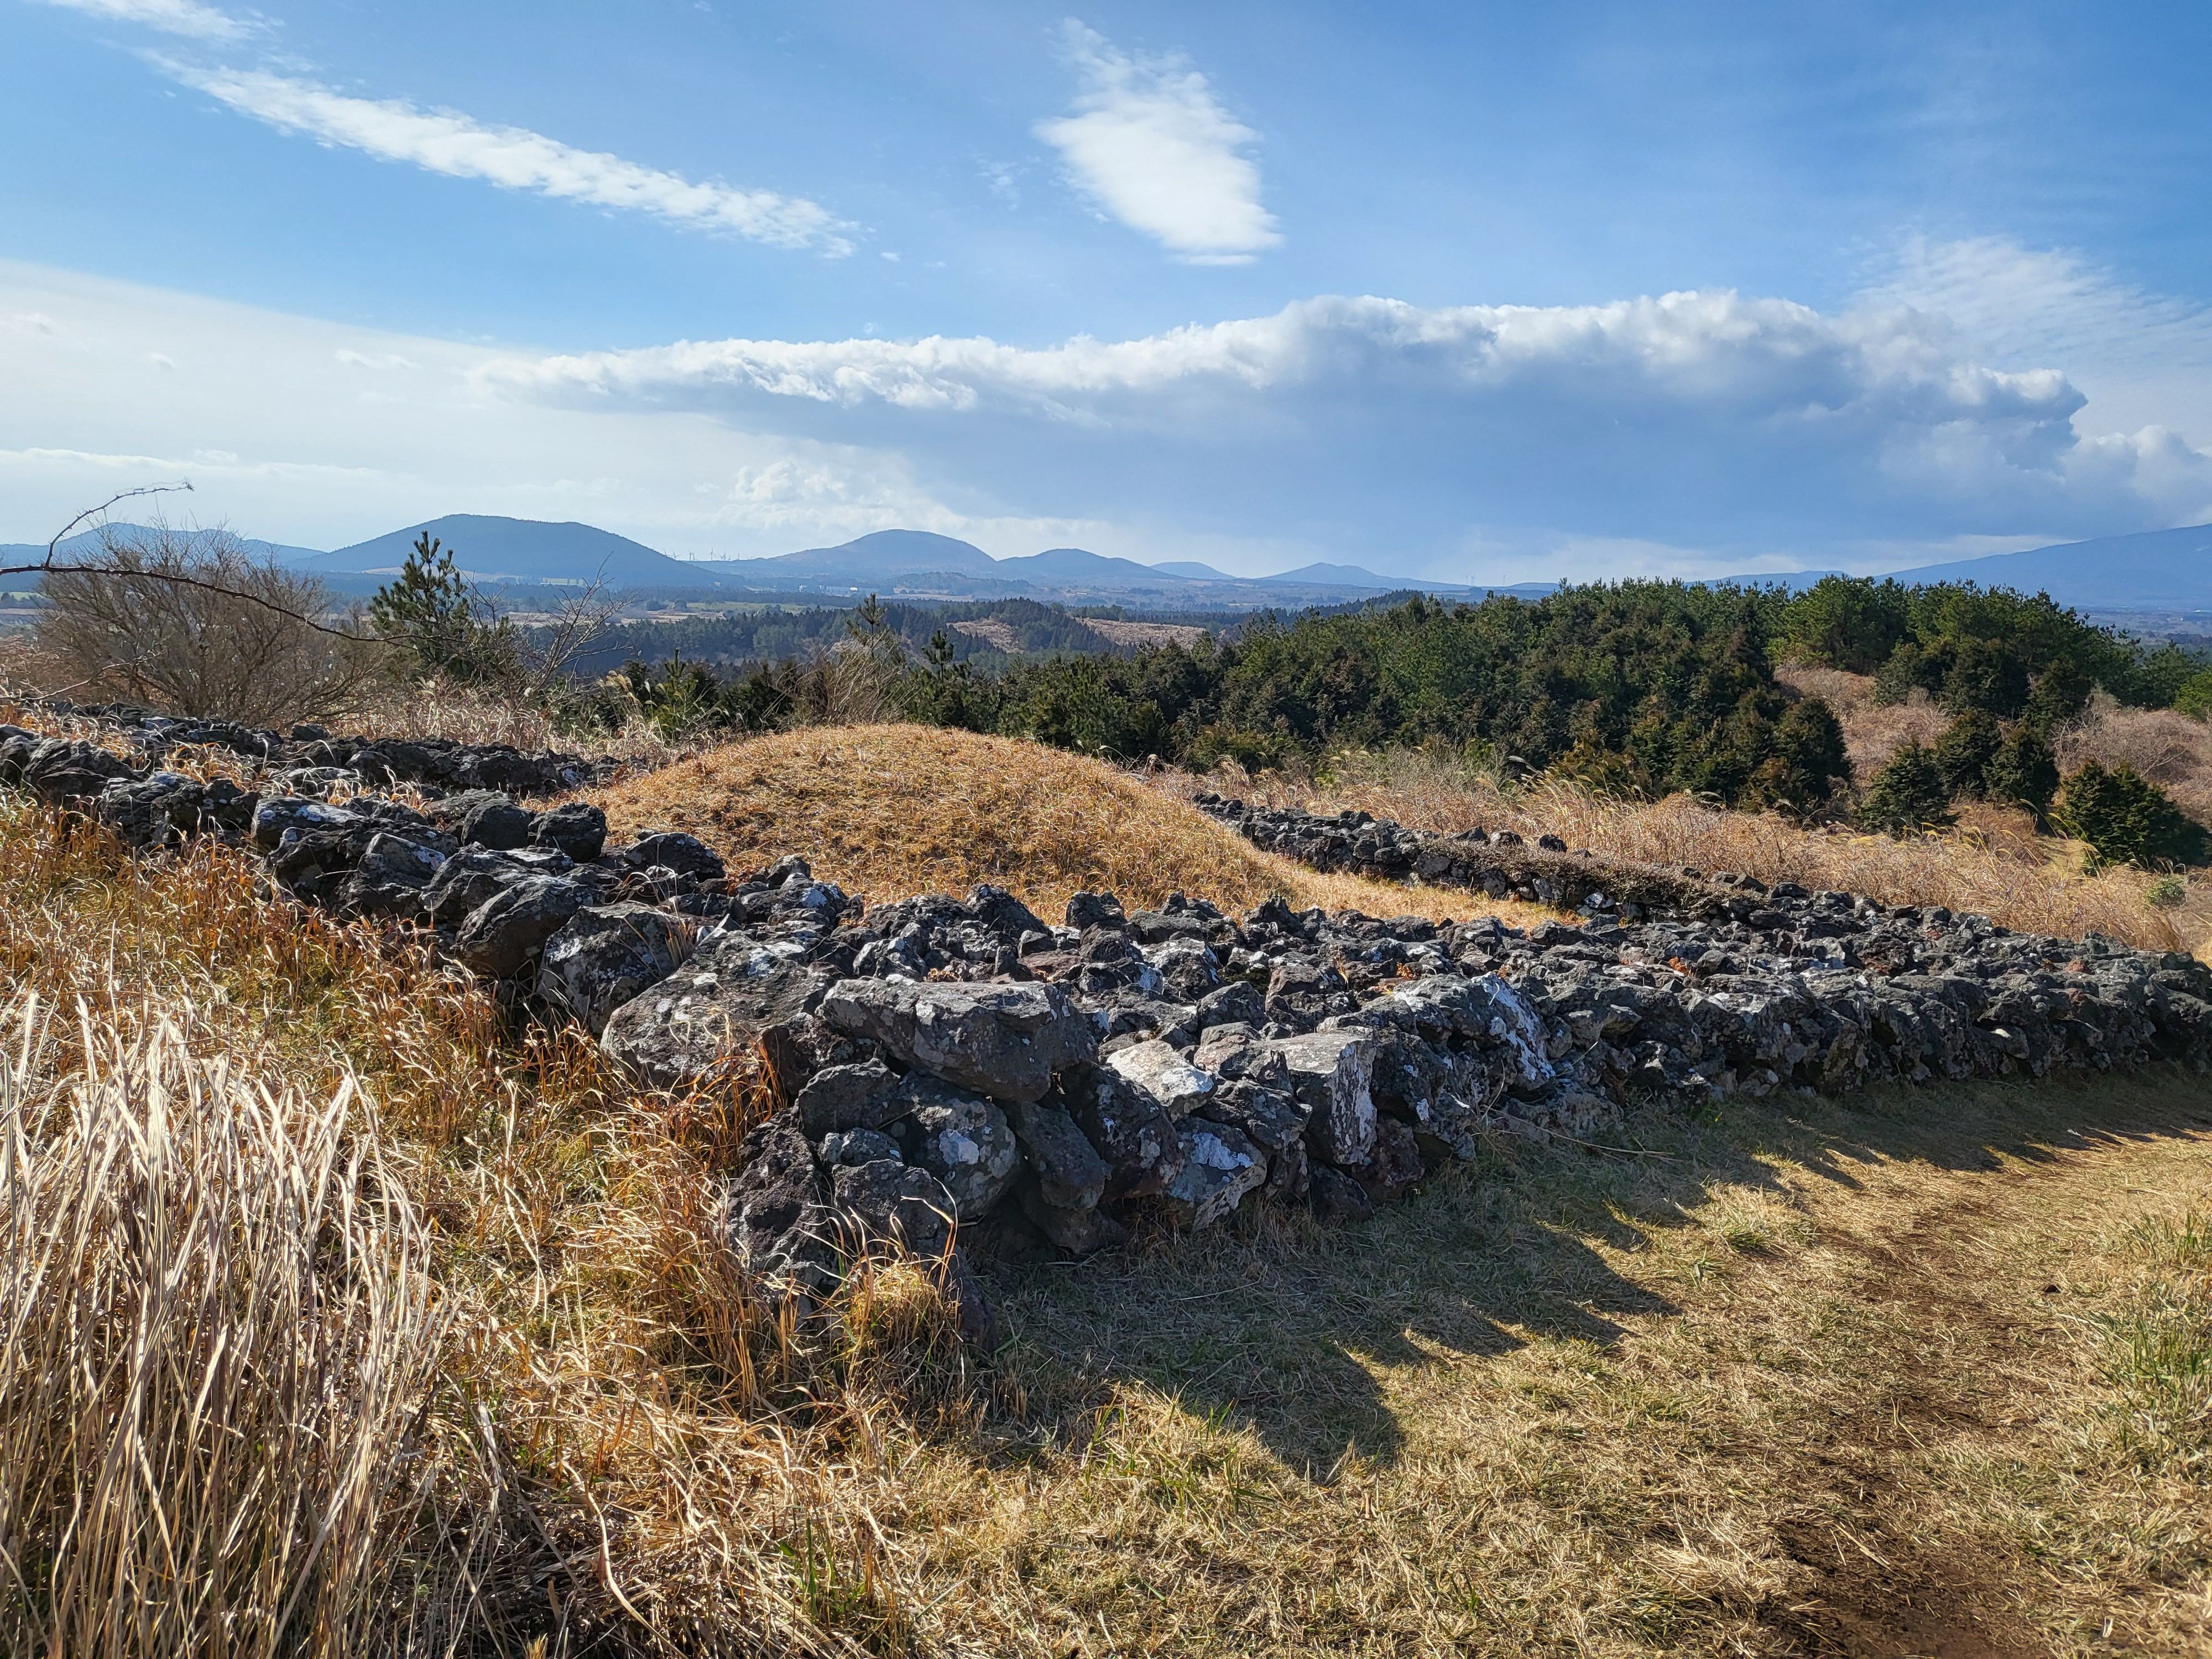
{"x":1859,"y":1382}
{"x":1872,"y":731}
{"x":1762,"y":1385}
{"x":2172,"y":749}
{"x":1994,"y":864}
{"x":1143,"y":634}
{"x":218,"y":1328}
{"x":888,"y":810}
{"x":619,"y":1445}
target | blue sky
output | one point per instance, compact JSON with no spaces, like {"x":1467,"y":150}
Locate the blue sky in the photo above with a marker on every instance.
{"x":1464,"y":290}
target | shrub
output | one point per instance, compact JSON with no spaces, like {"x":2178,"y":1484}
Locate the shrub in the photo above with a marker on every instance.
{"x":2167,"y":893}
{"x":1964,"y":753}
{"x":191,"y":622}
{"x":2023,"y":771}
{"x":2127,"y":819}
{"x":1807,"y":760}
{"x":1908,"y":793}
{"x":2194,"y":697}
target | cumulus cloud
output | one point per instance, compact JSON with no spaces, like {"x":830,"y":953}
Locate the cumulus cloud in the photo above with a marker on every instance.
{"x":1699,"y":419}
{"x":183,"y":17}
{"x":319,"y":434}
{"x":1686,"y":434}
{"x":1152,"y":146}
{"x":514,"y":158}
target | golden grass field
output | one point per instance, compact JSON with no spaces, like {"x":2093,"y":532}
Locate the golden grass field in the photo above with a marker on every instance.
{"x":1923,"y":1372}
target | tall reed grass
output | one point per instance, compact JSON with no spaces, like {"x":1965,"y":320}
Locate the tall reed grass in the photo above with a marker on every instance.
{"x":217,"y":1326}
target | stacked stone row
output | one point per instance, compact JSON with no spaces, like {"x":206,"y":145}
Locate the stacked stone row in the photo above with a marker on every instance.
{"x":951,"y":1064}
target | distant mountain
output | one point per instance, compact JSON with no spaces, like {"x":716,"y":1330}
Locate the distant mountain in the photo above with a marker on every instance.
{"x":1333,"y":575}
{"x":2151,"y":570}
{"x":1191,"y":568}
{"x":1073,"y":564}
{"x":521,"y":551}
{"x":1794,"y":580}
{"x":1353,"y":576}
{"x":88,"y":541}
{"x":870,"y":558}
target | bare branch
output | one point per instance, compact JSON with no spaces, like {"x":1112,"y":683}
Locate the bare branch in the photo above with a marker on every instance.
{"x":169,"y":580}
{"x":93,"y":512}
{"x":47,"y":566}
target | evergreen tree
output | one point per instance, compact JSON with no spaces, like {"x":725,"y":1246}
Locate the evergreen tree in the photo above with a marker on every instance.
{"x":2127,"y":819}
{"x":433,"y":612}
{"x":1907,"y":793}
{"x":1963,"y":753}
{"x":2023,"y":771}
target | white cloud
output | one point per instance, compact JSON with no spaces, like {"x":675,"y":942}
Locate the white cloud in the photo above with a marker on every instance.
{"x":1685,"y":434}
{"x":264,"y":413}
{"x":184,"y":17}
{"x":1153,"y":147}
{"x":1704,"y":419}
{"x":514,"y":158}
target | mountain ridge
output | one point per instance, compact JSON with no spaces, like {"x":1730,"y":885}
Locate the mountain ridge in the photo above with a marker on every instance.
{"x":2141,"y":571}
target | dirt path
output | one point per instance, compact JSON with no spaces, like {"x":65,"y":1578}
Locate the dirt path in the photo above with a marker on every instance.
{"x":1966,"y":1282}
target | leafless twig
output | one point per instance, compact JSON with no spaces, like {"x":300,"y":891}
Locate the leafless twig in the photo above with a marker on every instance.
{"x":48,"y":567}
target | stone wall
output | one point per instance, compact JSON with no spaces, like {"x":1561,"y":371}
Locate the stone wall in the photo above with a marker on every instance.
{"x":950,"y":1063}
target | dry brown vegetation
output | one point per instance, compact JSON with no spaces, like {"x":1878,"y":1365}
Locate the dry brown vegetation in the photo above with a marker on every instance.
{"x":1142,"y":633}
{"x":2174,"y":750}
{"x":614,"y":1438}
{"x":1993,"y":865}
{"x":1926,"y":1373}
{"x":888,"y":810}
{"x":1873,"y":732}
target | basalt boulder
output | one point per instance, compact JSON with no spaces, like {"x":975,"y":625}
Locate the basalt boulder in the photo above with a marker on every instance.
{"x":732,"y":994}
{"x":608,"y":955}
{"x":1006,"y":1041}
{"x":503,"y":935}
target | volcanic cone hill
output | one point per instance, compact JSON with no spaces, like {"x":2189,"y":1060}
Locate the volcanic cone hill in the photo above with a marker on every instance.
{"x":891,"y":811}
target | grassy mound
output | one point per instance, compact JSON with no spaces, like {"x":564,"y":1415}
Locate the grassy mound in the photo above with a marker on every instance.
{"x":889,"y":811}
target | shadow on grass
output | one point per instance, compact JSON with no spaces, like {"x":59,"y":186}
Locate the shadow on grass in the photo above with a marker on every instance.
{"x":1276,"y":1327}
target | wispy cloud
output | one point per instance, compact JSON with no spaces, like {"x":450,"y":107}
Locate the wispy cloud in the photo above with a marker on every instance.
{"x":1152,"y":146}
{"x":514,"y":158}
{"x":2140,"y":354}
{"x":185,"y":17}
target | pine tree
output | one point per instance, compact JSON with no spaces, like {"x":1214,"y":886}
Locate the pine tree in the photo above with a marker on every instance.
{"x":1907,"y":793}
{"x":1963,"y":753}
{"x":432,"y":612}
{"x":2023,"y":771}
{"x":2127,"y":819}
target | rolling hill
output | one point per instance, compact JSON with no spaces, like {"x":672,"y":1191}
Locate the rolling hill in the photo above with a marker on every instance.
{"x":88,"y":542}
{"x":521,"y":551}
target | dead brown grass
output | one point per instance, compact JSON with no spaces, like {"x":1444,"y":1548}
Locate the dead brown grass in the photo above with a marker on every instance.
{"x":1859,"y":1382}
{"x":1872,"y":731}
{"x":1994,"y":864}
{"x":2174,"y":750}
{"x":887,"y":811}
